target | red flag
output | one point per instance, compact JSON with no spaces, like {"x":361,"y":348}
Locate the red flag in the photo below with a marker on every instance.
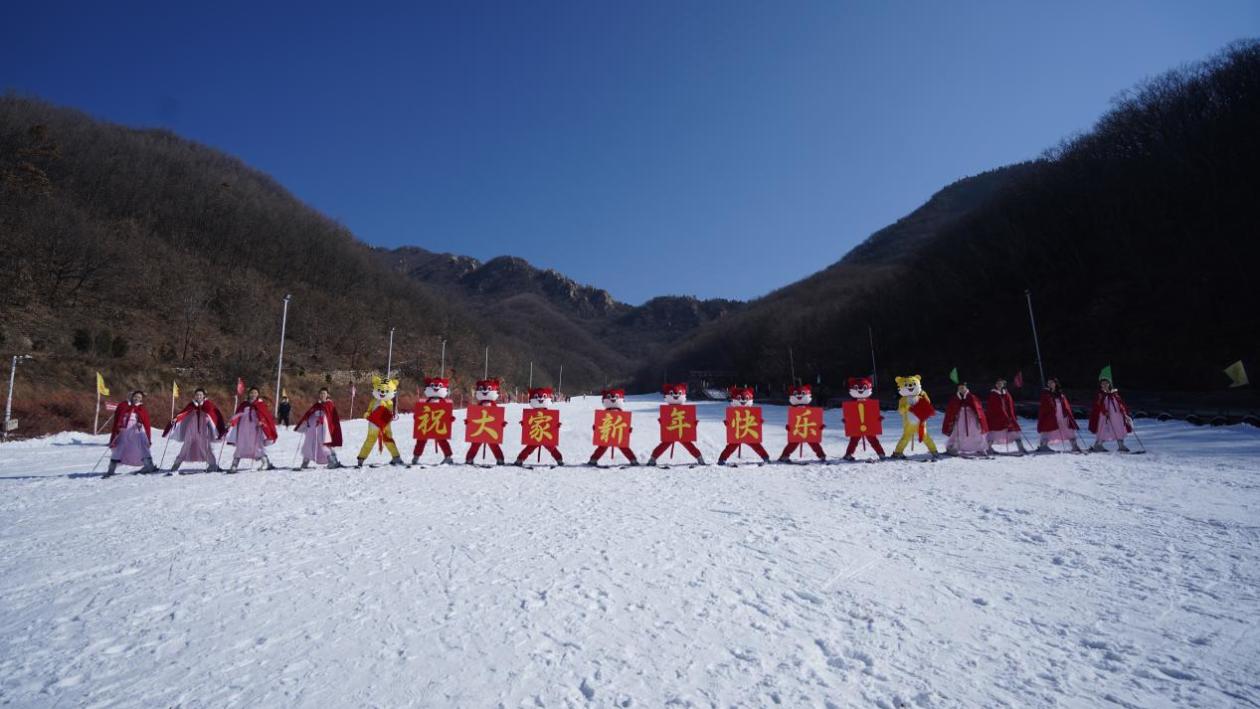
{"x":240,"y":387}
{"x":1019,"y":380}
{"x":352,"y":391}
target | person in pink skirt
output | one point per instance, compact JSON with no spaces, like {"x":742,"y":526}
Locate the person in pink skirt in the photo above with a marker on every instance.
{"x":1003,"y":424}
{"x":320,"y":427}
{"x":131,"y":436}
{"x":1055,"y":421}
{"x":197,"y":427}
{"x":965,"y":424}
{"x":253,"y":429}
{"x":1109,"y":420}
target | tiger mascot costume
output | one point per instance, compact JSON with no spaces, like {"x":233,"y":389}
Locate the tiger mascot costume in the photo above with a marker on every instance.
{"x":380,"y":416}
{"x":915,"y":408}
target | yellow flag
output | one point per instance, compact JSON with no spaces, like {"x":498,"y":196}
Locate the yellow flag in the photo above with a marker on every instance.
{"x":100,"y":385}
{"x":1237,"y":374}
{"x":174,"y":389}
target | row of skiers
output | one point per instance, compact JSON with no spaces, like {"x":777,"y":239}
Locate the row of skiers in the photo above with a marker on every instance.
{"x":973,"y":427}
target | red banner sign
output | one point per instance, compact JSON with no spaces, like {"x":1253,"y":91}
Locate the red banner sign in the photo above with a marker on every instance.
{"x":923,"y":409}
{"x":743,"y":424}
{"x":540,"y":427}
{"x":612,"y":428}
{"x":432,"y":421}
{"x":678,"y":423}
{"x":805,"y":424}
{"x":484,"y":424}
{"x":861,"y":418}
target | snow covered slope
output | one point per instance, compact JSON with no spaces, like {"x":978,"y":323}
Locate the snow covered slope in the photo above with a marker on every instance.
{"x":1039,"y":581}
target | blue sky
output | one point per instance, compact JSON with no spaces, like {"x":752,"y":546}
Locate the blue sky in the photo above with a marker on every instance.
{"x":707,"y":148}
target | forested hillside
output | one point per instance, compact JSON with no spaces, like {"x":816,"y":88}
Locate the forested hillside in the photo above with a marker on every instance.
{"x":152,"y":258}
{"x":1136,"y":238}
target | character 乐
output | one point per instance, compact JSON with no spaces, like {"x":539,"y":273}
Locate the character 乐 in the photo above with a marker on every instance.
{"x":805,"y":423}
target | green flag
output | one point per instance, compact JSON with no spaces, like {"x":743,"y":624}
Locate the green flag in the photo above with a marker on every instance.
{"x":1237,"y":374}
{"x":1105,"y":374}
{"x":953,"y":375}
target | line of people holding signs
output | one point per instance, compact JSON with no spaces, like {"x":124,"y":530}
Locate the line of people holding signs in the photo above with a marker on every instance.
{"x":974,"y":428}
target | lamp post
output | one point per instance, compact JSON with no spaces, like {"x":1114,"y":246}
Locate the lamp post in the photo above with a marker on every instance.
{"x":284,"y":321}
{"x":1036,"y":343}
{"x":389,"y":363}
{"x":8,"y":403}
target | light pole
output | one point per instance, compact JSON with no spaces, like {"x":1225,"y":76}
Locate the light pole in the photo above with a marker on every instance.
{"x":284,"y":321}
{"x":8,"y":403}
{"x":1036,"y":343}
{"x":389,"y":363}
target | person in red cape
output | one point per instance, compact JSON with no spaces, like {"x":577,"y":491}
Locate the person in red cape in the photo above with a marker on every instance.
{"x":197,"y":426}
{"x":675,"y":395}
{"x":251,"y":431}
{"x":613,"y":400}
{"x":799,"y":396}
{"x":965,"y":424}
{"x":486,"y":393}
{"x":131,"y":435}
{"x":1055,"y":421}
{"x":320,"y":427}
{"x":742,"y":397}
{"x":1003,"y":424}
{"x":540,"y":398}
{"x":1109,"y":419}
{"x":437,"y":390}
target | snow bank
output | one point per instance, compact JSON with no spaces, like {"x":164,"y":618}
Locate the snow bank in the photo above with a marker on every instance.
{"x":1037,"y":581}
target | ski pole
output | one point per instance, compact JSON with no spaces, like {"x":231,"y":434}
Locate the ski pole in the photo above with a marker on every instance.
{"x":162,"y":460}
{"x":1137,"y":437}
{"x":98,"y":460}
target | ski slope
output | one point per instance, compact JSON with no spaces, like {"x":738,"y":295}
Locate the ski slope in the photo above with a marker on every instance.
{"x":1065,"y":580}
